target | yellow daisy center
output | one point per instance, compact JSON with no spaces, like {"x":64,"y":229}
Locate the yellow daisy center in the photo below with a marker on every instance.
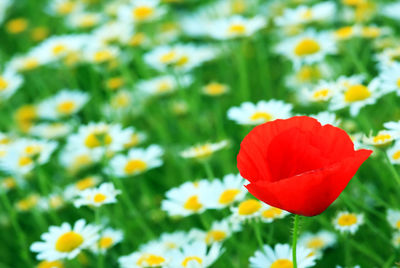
{"x":308,"y":73}
{"x":65,"y":8}
{"x":321,"y":93}
{"x":396,"y":155}
{"x":398,"y":82}
{"x":151,"y":260}
{"x":168,"y":57}
{"x":264,"y":116}
{"x":237,"y":29}
{"x":282,"y":263}
{"x":182,"y":61}
{"x":105,"y":242}
{"x":135,"y":166}
{"x":398,"y":224}
{"x":344,"y":32}
{"x":307,"y":14}
{"x":215,"y":89}
{"x":163,"y":87}
{"x":88,"y":21}
{"x":307,"y":47}
{"x":69,"y":242}
{"x":115,"y":82}
{"x":347,"y":219}
{"x":192,"y":203}
{"x":137,"y":39}
{"x":315,"y":243}
{"x":3,"y":84}
{"x":249,"y":207}
{"x":66,"y":107}
{"x":188,"y":259}
{"x":228,"y":196}
{"x":102,"y":56}
{"x":215,"y":236}
{"x":94,"y":140}
{"x":85,"y":183}
{"x":50,"y":264}
{"x":58,"y":49}
{"x":30,"y":64}
{"x":9,"y":183}
{"x":271,"y":213}
{"x":143,"y":12}
{"x":17,"y":25}
{"x":382,"y":138}
{"x":99,"y":197}
{"x":121,"y":100}
{"x":24,"y":161}
{"x":203,"y":151}
{"x":356,"y":93}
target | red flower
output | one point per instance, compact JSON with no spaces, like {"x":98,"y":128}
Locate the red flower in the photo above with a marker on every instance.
{"x":298,"y":165}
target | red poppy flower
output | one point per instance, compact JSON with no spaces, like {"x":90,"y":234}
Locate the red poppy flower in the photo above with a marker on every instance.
{"x":297,"y":164}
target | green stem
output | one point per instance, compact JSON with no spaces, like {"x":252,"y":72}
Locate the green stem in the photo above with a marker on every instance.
{"x":257,"y":231}
{"x":294,"y":242}
{"x":208,"y":169}
{"x":100,"y":262}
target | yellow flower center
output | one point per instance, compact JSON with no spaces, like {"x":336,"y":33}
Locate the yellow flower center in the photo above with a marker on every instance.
{"x":115,"y":82}
{"x":99,"y":197}
{"x":58,"y":49}
{"x":344,"y":32}
{"x":282,"y":263}
{"x":81,"y":160}
{"x":102,"y":56}
{"x":188,"y":259}
{"x":215,"y":236}
{"x":30,"y":63}
{"x":396,"y":155}
{"x":308,"y":73}
{"x":264,"y":116}
{"x":398,"y":224}
{"x":353,"y":2}
{"x":3,"y":84}
{"x":347,"y":219}
{"x":39,"y":33}
{"x":150,"y":260}
{"x":9,"y":183}
{"x":398,"y":83}
{"x":315,"y":243}
{"x":371,"y":32}
{"x":50,"y":264}
{"x":85,"y":183}
{"x":163,"y":87}
{"x":16,"y":26}
{"x":356,"y":93}
{"x":134,"y":166}
{"x":137,"y":39}
{"x":88,"y":21}
{"x":215,"y":89}
{"x":237,"y":29}
{"x":133,"y":141}
{"x":66,"y":8}
{"x":382,"y":138}
{"x":24,"y":161}
{"x":306,"y":47}
{"x":182,"y":61}
{"x":192,"y":203}
{"x":307,"y":14}
{"x":69,"y":241}
{"x":228,"y":196}
{"x":94,"y":140}
{"x":168,"y":57}
{"x":143,"y":12}
{"x":105,"y":242}
{"x":121,"y":100}
{"x":66,"y":107}
{"x":203,"y":151}
{"x":271,"y":213}
{"x":321,"y":94}
{"x":249,"y":207}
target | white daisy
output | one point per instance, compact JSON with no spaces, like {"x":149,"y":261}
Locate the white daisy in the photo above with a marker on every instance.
{"x":153,"y":257}
{"x":74,"y":190}
{"x":326,"y":118}
{"x":203,"y":151}
{"x":104,"y":194}
{"x":64,"y":103}
{"x":10,"y":82}
{"x":348,"y":222}
{"x":196,"y":255}
{"x":393,"y":217}
{"x":236,"y":26}
{"x":317,"y":242}
{"x":141,"y":10}
{"x":51,"y":130}
{"x":281,"y":256}
{"x":307,"y":48}
{"x":107,"y":239}
{"x":137,"y":161}
{"x":263,"y":111}
{"x":381,"y":139}
{"x":247,"y":209}
{"x":65,"y":242}
{"x":394,"y":154}
{"x":268,"y":213}
{"x":390,"y":78}
{"x":163,"y":85}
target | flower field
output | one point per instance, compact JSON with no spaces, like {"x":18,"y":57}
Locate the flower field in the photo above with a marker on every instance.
{"x":199,"y":133}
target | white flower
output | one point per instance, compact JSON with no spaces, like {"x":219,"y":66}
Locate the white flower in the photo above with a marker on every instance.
{"x":196,"y":255}
{"x":104,"y":194}
{"x":163,"y":84}
{"x":141,"y":11}
{"x":203,"y":151}
{"x":393,"y":217}
{"x":317,"y":242}
{"x":65,"y":241}
{"x":247,"y":209}
{"x":107,"y":239}
{"x":263,"y":111}
{"x":307,"y":48}
{"x":10,"y":82}
{"x":281,"y":256}
{"x":236,"y":26}
{"x":64,"y":103}
{"x":348,"y":222}
{"x":268,"y":213}
{"x":394,"y":153}
{"x":390,"y":78}
{"x":137,"y":161}
{"x":326,"y":118}
{"x":51,"y":130}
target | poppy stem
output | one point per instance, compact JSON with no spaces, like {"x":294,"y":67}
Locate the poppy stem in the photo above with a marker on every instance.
{"x":294,"y":241}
